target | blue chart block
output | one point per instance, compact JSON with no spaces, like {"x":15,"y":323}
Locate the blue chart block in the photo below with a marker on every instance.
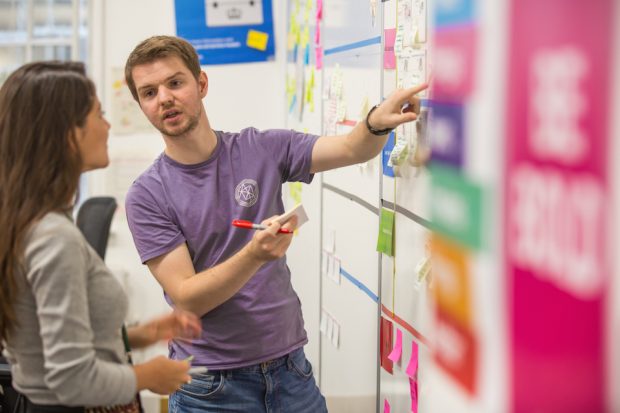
{"x":447,"y":133}
{"x":385,"y":156}
{"x":454,"y":12}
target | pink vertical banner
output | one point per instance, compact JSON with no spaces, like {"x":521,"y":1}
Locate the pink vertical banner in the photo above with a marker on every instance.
{"x":556,"y":196}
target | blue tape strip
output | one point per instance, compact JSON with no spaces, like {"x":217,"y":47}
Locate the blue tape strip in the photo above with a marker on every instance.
{"x":356,"y":45}
{"x":359,"y":285}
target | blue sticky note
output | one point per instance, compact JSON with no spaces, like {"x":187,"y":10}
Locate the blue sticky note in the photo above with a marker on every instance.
{"x":385,"y":156}
{"x":446,"y":133}
{"x":307,"y":55}
{"x":454,"y":12}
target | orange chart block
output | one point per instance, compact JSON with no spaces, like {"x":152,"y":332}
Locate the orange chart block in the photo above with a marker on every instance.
{"x":451,"y":279}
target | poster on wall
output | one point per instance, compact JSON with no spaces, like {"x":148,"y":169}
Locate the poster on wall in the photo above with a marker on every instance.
{"x":556,"y":204}
{"x":127,"y":117}
{"x":227,"y":31}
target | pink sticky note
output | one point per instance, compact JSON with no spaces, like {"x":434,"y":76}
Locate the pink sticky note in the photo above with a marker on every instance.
{"x":386,"y":406}
{"x":389,"y":58}
{"x":398,"y":347}
{"x":412,"y":367}
{"x":413,"y":392}
{"x":317,"y":32}
{"x":319,"y":57}
{"x":319,"y":9}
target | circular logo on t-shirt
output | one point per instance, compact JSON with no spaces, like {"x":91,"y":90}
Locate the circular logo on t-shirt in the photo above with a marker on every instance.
{"x":246,"y":193}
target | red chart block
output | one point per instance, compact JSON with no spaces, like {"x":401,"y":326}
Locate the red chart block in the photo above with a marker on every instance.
{"x":456,"y":351}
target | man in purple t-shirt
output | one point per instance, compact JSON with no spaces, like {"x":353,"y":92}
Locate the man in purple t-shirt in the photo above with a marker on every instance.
{"x":180,"y":212}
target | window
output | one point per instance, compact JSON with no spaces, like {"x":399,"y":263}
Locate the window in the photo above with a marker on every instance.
{"x":41,"y":30}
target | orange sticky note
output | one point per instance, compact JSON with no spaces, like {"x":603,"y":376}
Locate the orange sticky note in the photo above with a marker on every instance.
{"x":257,"y":40}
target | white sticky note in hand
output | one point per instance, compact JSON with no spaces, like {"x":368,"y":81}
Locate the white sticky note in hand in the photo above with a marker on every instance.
{"x":298,"y":211}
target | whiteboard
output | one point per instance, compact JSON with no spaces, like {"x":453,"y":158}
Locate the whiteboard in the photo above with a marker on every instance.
{"x":348,"y":202}
{"x":349,"y":370}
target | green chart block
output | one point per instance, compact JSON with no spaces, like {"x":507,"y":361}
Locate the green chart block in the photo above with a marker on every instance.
{"x":385,"y":242}
{"x":456,"y":207}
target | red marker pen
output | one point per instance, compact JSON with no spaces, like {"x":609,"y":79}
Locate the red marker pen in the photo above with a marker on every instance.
{"x":242,"y":223}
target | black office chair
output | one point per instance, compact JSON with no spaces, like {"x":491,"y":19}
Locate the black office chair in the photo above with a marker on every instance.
{"x":94,"y":219}
{"x":8,"y":397}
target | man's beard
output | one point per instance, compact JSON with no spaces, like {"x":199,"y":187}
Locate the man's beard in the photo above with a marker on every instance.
{"x":191,"y":125}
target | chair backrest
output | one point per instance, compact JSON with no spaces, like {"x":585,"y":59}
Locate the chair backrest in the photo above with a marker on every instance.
{"x":94,"y":219}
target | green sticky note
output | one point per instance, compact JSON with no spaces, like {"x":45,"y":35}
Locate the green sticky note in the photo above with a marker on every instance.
{"x":456,"y":206}
{"x":385,"y":242}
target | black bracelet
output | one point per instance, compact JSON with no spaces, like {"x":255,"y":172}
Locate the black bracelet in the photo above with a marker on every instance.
{"x":378,"y":132}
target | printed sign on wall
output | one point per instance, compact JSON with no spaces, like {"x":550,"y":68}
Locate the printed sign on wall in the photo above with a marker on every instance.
{"x":227,"y":31}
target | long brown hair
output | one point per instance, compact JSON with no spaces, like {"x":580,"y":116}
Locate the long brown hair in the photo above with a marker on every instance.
{"x":41,"y":103}
{"x":158,"y":47}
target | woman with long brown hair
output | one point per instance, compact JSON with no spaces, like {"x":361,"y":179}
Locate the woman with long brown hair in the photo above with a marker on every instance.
{"x":61,"y":310}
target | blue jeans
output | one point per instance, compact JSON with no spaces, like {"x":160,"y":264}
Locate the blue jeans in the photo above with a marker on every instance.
{"x":283,"y":385}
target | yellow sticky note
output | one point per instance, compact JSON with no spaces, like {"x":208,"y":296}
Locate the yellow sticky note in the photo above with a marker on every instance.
{"x":364,"y":108}
{"x":295,"y":189}
{"x":257,"y":40}
{"x":309,"y":93}
{"x":305,"y":37}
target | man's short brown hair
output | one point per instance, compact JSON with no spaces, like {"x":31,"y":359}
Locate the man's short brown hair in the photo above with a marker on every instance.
{"x":158,"y":47}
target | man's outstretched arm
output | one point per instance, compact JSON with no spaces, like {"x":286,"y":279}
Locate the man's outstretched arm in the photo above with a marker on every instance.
{"x":361,"y":145}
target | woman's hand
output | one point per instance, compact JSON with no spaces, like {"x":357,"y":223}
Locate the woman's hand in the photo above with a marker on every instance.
{"x":177,"y":324}
{"x":162,"y":375}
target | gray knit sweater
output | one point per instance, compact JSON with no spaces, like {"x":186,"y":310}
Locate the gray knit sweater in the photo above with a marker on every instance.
{"x":68,"y":348}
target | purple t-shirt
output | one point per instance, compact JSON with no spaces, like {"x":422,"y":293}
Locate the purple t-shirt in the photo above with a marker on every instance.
{"x":171,"y":203}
